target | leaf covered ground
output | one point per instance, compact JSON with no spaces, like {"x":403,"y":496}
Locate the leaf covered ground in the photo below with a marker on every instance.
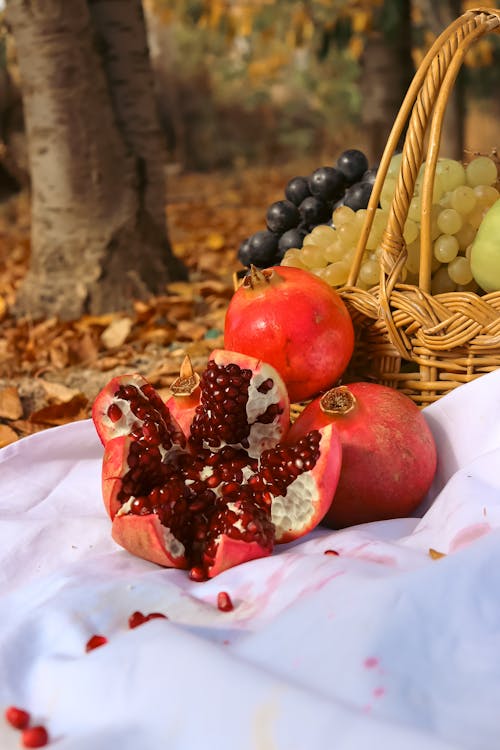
{"x":51,"y":371}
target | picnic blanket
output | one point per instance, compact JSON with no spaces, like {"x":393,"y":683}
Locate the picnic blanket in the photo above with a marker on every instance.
{"x":393,"y":643}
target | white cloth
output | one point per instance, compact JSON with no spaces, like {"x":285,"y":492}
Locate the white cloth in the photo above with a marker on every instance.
{"x":381,"y":646}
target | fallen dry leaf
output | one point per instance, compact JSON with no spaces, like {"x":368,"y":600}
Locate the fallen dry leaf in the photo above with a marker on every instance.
{"x":57,"y":392}
{"x":116,"y":333}
{"x":190,"y":331}
{"x":435,"y":554}
{"x":3,"y":308}
{"x":10,"y":403}
{"x":56,"y":414}
{"x":7,"y":435}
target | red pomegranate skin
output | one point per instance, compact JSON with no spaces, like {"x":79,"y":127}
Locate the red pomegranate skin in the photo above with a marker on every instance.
{"x":389,"y":455}
{"x":297,"y":323}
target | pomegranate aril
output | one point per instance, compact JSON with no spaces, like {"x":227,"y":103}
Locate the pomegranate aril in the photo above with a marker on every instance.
{"x":331,"y":552}
{"x":34,"y":736}
{"x":95,"y":642}
{"x":156,"y":616}
{"x":136,"y":619}
{"x":197,"y":574}
{"x":266,"y":386}
{"x":224,"y":602}
{"x":17,"y":717}
{"x":114,"y":412}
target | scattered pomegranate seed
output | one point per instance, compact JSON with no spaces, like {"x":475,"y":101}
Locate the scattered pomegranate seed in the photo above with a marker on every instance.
{"x":92,"y":643}
{"x":17,"y":717}
{"x":34,"y":737}
{"x":136,"y":619}
{"x":331,"y":552}
{"x":156,"y":615}
{"x":224,"y":602}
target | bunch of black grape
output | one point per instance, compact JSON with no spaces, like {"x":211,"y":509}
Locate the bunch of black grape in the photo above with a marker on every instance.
{"x":309,"y":201}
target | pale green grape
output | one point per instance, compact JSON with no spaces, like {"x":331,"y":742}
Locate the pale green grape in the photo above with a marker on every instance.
{"x":411,"y":231}
{"x":481,"y":171}
{"x":342,"y":215}
{"x":293,"y":258}
{"x":336,"y":273}
{"x":377,"y":229}
{"x":387,"y":193}
{"x":486,"y":195}
{"x":348,"y":233}
{"x":449,"y":221}
{"x":413,"y":259}
{"x":465,"y":235}
{"x":394,"y":165}
{"x":451,"y":174}
{"x":323,"y":235}
{"x":313,"y":256}
{"x":459,"y":270}
{"x":475,"y":217}
{"x":441,"y":282}
{"x":335,"y":251}
{"x":445,"y":248}
{"x":463,"y":199}
{"x":369,"y":273}
{"x":445,"y":200}
{"x":414,"y":208}
{"x":435,"y":229}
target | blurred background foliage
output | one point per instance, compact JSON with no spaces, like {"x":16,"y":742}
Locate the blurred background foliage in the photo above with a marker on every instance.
{"x":265,"y":81}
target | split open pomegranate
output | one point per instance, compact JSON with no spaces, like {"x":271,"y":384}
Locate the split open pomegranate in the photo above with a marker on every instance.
{"x":228,"y":490}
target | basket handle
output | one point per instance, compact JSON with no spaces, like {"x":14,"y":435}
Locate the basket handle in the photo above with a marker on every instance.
{"x":428,"y":93}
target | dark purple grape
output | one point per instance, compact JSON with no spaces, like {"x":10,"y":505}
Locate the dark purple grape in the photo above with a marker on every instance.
{"x":292,"y":238}
{"x":281,"y":216}
{"x":370,"y":175}
{"x":262,"y":249}
{"x":327,"y":183}
{"x":314,"y":211}
{"x":358,"y":195}
{"x":297,"y":189}
{"x":244,"y":253}
{"x":352,"y":163}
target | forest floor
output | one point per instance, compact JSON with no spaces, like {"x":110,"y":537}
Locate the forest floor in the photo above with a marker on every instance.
{"x":51,"y":371}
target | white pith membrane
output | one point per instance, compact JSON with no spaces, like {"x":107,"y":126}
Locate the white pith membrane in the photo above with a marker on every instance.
{"x":296,"y":509}
{"x":127,"y":421}
{"x":262,"y":436}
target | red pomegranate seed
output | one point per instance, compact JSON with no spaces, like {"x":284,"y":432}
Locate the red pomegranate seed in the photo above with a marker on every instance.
{"x":114,"y":412}
{"x":156,"y":615}
{"x":92,"y":643}
{"x":136,"y":619}
{"x":224,"y":602}
{"x":197,"y":574}
{"x":330,"y":552}
{"x":17,"y":717}
{"x":34,"y":737}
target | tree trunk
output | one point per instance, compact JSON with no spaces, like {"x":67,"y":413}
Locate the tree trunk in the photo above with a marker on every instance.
{"x":99,"y":235}
{"x":387,"y":70}
{"x":440,"y":16}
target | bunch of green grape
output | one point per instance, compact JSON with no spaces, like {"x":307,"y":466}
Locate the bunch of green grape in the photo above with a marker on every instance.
{"x":461,"y":197}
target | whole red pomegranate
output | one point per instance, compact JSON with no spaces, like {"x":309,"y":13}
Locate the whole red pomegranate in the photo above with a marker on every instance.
{"x":388,"y":451}
{"x":229,"y":489}
{"x":296,"y":322}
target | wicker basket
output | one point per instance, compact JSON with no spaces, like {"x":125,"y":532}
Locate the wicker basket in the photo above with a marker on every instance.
{"x":406,"y":338}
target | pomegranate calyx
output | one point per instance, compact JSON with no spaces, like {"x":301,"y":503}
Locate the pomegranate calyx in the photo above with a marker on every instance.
{"x":258,"y":278}
{"x":188,"y":380}
{"x":337,"y":400}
